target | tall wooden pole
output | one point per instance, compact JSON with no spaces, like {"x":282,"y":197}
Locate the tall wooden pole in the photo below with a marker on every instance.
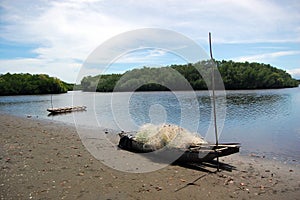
{"x":214,"y":99}
{"x":51,"y":102}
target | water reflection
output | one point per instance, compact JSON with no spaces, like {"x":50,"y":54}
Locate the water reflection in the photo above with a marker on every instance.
{"x":141,"y":103}
{"x":248,"y":107}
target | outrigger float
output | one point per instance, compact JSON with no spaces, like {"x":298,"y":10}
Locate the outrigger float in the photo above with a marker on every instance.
{"x":66,"y":109}
{"x":192,"y":154}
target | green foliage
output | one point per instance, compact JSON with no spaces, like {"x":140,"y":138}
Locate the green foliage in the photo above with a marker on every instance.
{"x":76,"y":87}
{"x":16,"y":84}
{"x":69,"y":86}
{"x":100,"y":83}
{"x":235,"y":75}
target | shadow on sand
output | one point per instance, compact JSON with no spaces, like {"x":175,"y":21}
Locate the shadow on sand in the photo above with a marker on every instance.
{"x":210,"y":167}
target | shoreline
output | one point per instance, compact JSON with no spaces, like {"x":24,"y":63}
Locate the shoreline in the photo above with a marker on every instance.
{"x":42,"y":159}
{"x":247,"y":154}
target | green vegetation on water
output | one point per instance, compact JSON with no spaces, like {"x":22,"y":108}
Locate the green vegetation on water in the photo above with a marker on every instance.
{"x":17,"y":84}
{"x":235,"y":75}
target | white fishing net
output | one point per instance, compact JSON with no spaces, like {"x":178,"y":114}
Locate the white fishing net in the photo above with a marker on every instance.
{"x":159,"y":136}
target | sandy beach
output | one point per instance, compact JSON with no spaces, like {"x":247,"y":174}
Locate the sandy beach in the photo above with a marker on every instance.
{"x":42,"y":159}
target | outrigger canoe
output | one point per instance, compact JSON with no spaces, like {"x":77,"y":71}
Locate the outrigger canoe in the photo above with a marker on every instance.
{"x":66,"y":109}
{"x":192,"y":154}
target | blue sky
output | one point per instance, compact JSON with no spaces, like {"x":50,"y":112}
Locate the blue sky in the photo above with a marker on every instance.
{"x":56,"y":37}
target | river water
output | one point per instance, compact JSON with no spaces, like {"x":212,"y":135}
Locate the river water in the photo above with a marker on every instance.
{"x":265,"y":122}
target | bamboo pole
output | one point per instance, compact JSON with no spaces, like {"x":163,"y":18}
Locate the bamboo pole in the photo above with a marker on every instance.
{"x":51,"y":102}
{"x":214,"y":100}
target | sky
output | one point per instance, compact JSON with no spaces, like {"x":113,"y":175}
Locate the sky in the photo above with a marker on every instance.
{"x":56,"y":37}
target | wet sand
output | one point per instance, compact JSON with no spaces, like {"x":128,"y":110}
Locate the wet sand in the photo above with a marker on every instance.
{"x":47,"y":160}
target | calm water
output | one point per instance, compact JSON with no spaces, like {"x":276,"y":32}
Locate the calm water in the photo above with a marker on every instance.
{"x":266,"y":122}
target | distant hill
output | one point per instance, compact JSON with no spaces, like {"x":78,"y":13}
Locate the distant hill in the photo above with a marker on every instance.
{"x":23,"y":84}
{"x":235,"y":75}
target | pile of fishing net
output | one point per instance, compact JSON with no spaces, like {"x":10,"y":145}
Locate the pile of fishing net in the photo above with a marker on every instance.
{"x":172,"y":136}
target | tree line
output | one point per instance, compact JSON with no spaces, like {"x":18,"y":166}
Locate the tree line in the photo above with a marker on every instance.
{"x":235,"y":75}
{"x":25,"y":83}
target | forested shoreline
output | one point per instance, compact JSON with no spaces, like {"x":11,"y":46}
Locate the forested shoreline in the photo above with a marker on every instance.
{"x":235,"y":76}
{"x":25,"y":84}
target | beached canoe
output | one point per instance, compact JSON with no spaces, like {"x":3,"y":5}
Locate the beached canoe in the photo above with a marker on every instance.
{"x":192,"y":154}
{"x":66,"y":109}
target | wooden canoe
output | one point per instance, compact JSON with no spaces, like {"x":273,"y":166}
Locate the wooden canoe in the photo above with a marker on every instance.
{"x":66,"y":109}
{"x":193,"y":154}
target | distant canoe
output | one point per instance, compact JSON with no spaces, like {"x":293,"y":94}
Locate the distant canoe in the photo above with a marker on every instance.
{"x":66,"y":109}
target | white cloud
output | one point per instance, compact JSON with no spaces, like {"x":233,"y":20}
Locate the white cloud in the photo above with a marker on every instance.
{"x":295,"y":73}
{"x":68,"y":70}
{"x":68,"y":31}
{"x":265,"y":57}
{"x":95,"y":21}
{"x":142,"y":56}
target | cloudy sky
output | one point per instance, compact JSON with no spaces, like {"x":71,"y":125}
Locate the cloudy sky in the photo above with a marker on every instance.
{"x":56,"y":37}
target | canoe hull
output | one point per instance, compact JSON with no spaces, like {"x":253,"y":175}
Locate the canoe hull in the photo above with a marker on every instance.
{"x":193,"y":154}
{"x":66,"y":109}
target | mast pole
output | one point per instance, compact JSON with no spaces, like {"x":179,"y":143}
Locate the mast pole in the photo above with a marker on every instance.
{"x":214,"y":100}
{"x":51,"y":102}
